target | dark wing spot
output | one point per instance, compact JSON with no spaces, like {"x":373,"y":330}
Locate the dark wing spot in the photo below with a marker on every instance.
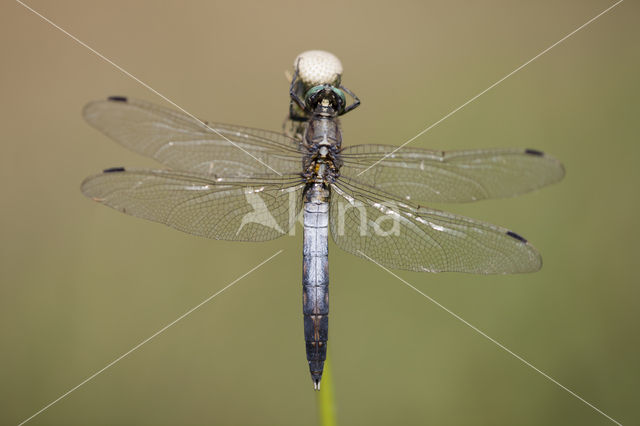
{"x":113,"y":170}
{"x":516,"y":236}
{"x":534,"y":152}
{"x":117,"y":98}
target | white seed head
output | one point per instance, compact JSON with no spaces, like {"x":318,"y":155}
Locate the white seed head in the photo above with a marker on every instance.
{"x":316,"y":67}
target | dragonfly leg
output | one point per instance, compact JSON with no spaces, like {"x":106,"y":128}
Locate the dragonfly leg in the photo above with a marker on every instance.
{"x":356,"y":100}
{"x":293,"y":92}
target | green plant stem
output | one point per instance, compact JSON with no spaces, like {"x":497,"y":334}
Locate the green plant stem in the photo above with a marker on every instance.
{"x":326,"y":402}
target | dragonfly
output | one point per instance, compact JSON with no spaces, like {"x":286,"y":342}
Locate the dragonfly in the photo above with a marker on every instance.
{"x":236,"y":183}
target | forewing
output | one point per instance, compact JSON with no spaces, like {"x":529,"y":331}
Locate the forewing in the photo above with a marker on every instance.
{"x":235,"y":209}
{"x":423,"y":176}
{"x":369,"y":223}
{"x":184,"y":143}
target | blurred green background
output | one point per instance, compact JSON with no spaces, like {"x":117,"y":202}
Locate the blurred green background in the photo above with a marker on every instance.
{"x":81,"y":284}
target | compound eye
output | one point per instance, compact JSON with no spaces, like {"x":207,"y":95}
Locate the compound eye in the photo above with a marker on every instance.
{"x":311,"y":97}
{"x":340,"y":98}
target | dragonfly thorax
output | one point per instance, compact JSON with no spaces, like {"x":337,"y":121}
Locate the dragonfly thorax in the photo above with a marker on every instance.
{"x":322,"y":141}
{"x":323,"y":131}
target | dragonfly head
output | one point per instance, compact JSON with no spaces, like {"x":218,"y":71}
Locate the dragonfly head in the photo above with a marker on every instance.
{"x":326,"y":99}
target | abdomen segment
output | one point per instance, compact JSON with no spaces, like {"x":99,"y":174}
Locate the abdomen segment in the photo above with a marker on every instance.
{"x":315,"y":285}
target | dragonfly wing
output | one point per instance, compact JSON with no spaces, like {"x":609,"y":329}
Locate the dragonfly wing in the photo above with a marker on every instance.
{"x":235,"y":209}
{"x":185,"y":143}
{"x":368,"y":223}
{"x":423,"y":176}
